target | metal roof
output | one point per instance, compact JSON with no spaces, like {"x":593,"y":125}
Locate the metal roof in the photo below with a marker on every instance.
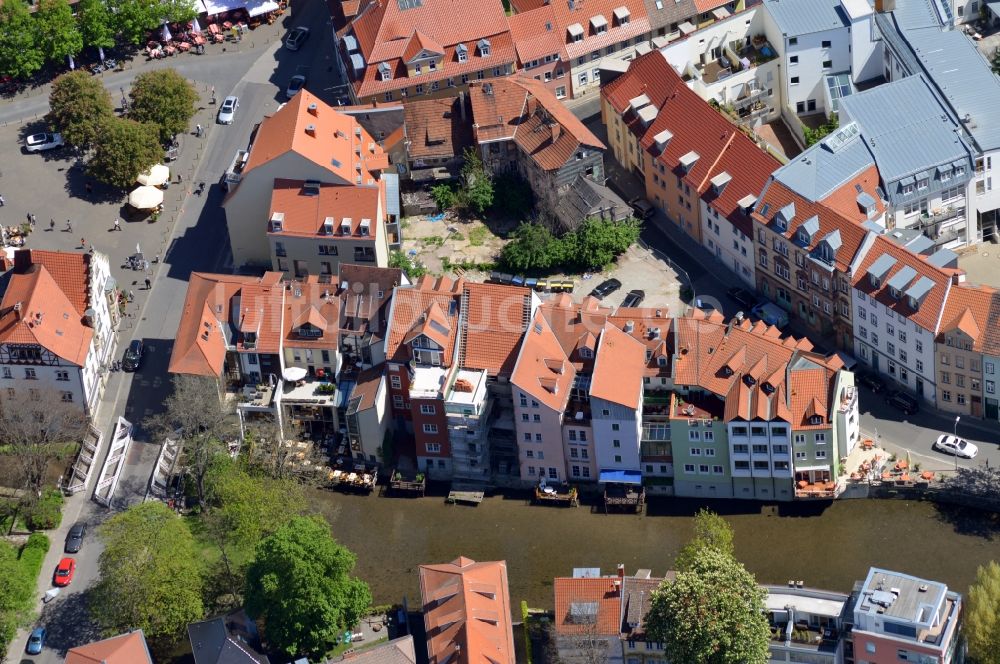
{"x":825,"y":166}
{"x":918,"y":290}
{"x":902,"y":278}
{"x":801,"y":17}
{"x":392,"y":194}
{"x":881,"y":266}
{"x":905,"y":127}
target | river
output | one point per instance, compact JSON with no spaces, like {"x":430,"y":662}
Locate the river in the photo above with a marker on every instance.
{"x":826,"y":546}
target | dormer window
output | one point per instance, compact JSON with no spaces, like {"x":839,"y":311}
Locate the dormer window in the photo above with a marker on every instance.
{"x":874,"y":281}
{"x":575,"y":32}
{"x":825,"y":252}
{"x":310,"y":331}
{"x":816,"y":419}
{"x":622,"y":15}
{"x":802,"y":236}
{"x":484,"y":48}
{"x":462,"y":51}
{"x":384,"y":71}
{"x":913,"y":303}
{"x":599,"y":24}
{"x":586,"y":353}
{"x":894,"y":293}
{"x":767,"y":387}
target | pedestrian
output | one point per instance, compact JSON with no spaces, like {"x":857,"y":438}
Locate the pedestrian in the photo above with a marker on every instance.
{"x":89,"y":187}
{"x":149,"y":284}
{"x":197,"y":130}
{"x":118,"y":224}
{"x":131,"y":296}
{"x":34,"y":220}
{"x":52,"y":224}
{"x":69,"y":226}
{"x":29,"y":218}
{"x":83,"y":243}
{"x":2,"y":201}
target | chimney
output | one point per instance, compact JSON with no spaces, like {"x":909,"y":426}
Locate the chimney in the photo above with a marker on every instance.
{"x":311,"y":129}
{"x":621,"y":570}
{"x":883,"y":6}
{"x":313,"y":109}
{"x":556,"y":130}
{"x":22,"y":260}
{"x":461,"y":105}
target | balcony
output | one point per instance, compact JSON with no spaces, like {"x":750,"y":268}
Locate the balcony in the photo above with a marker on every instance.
{"x":848,"y":400}
{"x":577,"y":412}
{"x":235,"y":171}
{"x":364,"y":256}
{"x":803,"y":636}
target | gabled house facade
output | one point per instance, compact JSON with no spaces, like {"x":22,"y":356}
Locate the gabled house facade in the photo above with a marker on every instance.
{"x":959,"y":350}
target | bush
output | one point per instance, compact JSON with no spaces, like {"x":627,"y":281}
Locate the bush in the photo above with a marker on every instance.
{"x":34,"y":550}
{"x":46,"y":514}
{"x":444,"y":196}
{"x":410,"y":267}
{"x":595,"y":244}
{"x":819,"y":133}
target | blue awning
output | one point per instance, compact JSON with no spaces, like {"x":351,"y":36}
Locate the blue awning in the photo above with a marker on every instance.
{"x":620,"y":477}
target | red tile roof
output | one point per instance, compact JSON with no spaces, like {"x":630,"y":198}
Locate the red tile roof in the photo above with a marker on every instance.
{"x":929,"y":314}
{"x":436,"y":129}
{"x":467,"y":612}
{"x":70,"y":270}
{"x":776,"y":196}
{"x":749,"y":168}
{"x":386,"y":32}
{"x":618,"y":368}
{"x":124,"y":649}
{"x":536,"y":33}
{"x":968,"y":310}
{"x":36,"y":311}
{"x":330,"y":144}
{"x":495,"y":320}
{"x":542,"y":368}
{"x":525,"y":111}
{"x":565,"y":14}
{"x":844,"y":199}
{"x":312,"y":305}
{"x":305,"y":212}
{"x":413,"y":306}
{"x":571,"y":593}
{"x":695,"y":127}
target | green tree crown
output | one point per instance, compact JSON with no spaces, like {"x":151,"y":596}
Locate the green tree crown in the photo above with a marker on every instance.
{"x":164,"y":98}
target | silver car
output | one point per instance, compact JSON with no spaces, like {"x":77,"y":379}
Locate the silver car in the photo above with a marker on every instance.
{"x":956,"y":446}
{"x":43,"y":142}
{"x":295,"y":85}
{"x":296,"y":37}
{"x":228,"y":109}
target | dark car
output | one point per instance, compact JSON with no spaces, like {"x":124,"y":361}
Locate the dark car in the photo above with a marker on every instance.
{"x":742,"y":297}
{"x":133,"y":356}
{"x":634,"y":298}
{"x":74,"y":538}
{"x":903,"y":402}
{"x":36,"y":641}
{"x":606,"y":288}
{"x":871,"y":381}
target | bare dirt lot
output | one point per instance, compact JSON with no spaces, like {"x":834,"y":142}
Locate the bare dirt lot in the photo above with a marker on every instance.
{"x":981,"y":263}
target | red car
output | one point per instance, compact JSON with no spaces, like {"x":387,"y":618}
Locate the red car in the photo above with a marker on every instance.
{"x":64,"y":572}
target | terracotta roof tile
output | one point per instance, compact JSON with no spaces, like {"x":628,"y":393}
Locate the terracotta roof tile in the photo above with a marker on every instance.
{"x":574,"y":603}
{"x":536,"y":33}
{"x":968,"y":310}
{"x":124,"y":649}
{"x":70,"y":270}
{"x":991,"y":342}
{"x":929,"y":313}
{"x":467,"y":612}
{"x":410,"y":304}
{"x":314,"y":305}
{"x":330,"y":144}
{"x":495,"y":320}
{"x":844,"y":199}
{"x":542,"y":369}
{"x":398,"y":651}
{"x":618,"y":368}
{"x":366,"y":292}
{"x":565,"y":14}
{"x":305,"y":212}
{"x":749,"y":168}
{"x":435,"y":128}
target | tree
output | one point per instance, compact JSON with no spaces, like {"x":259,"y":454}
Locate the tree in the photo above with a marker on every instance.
{"x":533,"y":247}
{"x":150,"y":576}
{"x":124,"y":148}
{"x":178,"y":11}
{"x":982,"y":615}
{"x":21,"y":53}
{"x":516,"y":197}
{"x":204,"y":421}
{"x":599,"y":242}
{"x":57,"y":30}
{"x":477,"y":185}
{"x":444,"y":196}
{"x":164,"y":98}
{"x":79,"y":104}
{"x":131,"y":19}
{"x":710,"y":531}
{"x":300,"y":583}
{"x":243,"y":508}
{"x":95,"y":24}
{"x":37,"y":428}
{"x":410,"y":267}
{"x":711,"y":613}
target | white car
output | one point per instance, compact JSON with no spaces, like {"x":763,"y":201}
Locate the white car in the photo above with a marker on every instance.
{"x":295,"y":85}
{"x":228,"y":109}
{"x":296,"y":37}
{"x":42,"y":142}
{"x":956,"y":446}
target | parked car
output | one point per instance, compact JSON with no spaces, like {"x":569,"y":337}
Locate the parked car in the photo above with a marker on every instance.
{"x":227,"y":112}
{"x":871,"y":381}
{"x":74,"y":538}
{"x":903,"y":402}
{"x":634,"y":298}
{"x":295,"y":85}
{"x":606,"y":288}
{"x":296,"y":38}
{"x":133,"y":356}
{"x":36,"y":641}
{"x":642,"y":208}
{"x":956,"y":446}
{"x":64,"y":572}
{"x":770,"y":313}
{"x":42,"y":142}
{"x":742,"y":297}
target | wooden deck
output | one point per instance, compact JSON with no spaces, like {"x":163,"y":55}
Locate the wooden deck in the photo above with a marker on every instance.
{"x":407,"y":484}
{"x":361,"y":479}
{"x":563,"y":496}
{"x":465,"y":497}
{"x":626,"y":498}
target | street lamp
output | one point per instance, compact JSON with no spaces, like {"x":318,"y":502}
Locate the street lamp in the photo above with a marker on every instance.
{"x":957,"y":418}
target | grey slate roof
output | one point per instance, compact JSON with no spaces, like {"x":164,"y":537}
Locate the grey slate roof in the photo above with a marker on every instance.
{"x":397,"y":651}
{"x":905,"y":127}
{"x":224,"y":641}
{"x":667,"y":12}
{"x":585,"y":198}
{"x":818,"y":171}
{"x":801,"y":17}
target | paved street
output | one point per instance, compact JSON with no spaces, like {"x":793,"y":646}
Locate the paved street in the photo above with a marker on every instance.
{"x":189,"y":236}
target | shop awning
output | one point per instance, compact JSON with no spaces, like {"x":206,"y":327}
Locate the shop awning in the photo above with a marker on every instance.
{"x":213,"y":7}
{"x":258,"y":7}
{"x":620,"y":477}
{"x":721,"y":13}
{"x":686,"y":28}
